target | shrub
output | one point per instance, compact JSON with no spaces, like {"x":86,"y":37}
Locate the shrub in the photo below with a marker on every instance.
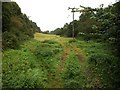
{"x":42,"y":53}
{"x":10,"y":40}
{"x":49,"y":42}
{"x":47,"y":49}
{"x":101,"y":59}
{"x":107,"y":68}
{"x":72,"y":41}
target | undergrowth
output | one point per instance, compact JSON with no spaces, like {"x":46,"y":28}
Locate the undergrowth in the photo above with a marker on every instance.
{"x":30,"y":65}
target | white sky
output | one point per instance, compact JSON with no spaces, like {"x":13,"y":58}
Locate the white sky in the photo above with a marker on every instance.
{"x":51,"y":14}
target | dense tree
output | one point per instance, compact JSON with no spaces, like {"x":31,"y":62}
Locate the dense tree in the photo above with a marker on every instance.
{"x":16,"y":27}
{"x":57,"y":31}
{"x":46,"y":32}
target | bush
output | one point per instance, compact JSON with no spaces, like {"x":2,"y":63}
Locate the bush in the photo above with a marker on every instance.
{"x":72,"y":41}
{"x":107,"y":68}
{"x":9,"y":40}
{"x":47,"y":49}
{"x":100,"y":59}
{"x":42,"y":53}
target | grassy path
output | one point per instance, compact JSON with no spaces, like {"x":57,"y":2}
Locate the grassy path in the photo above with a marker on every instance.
{"x":51,"y":61}
{"x":56,"y":81}
{"x":67,"y":49}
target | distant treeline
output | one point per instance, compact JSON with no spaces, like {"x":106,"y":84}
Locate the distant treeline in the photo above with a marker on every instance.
{"x":16,"y":26}
{"x":100,"y":24}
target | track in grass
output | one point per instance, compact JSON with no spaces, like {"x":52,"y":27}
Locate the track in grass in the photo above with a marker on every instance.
{"x":57,"y":80}
{"x":51,"y":61}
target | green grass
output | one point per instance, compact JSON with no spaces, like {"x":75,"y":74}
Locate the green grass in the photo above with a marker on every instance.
{"x":30,"y":65}
{"x":100,"y":64}
{"x":92,"y":47}
{"x":50,"y":61}
{"x":72,"y":72}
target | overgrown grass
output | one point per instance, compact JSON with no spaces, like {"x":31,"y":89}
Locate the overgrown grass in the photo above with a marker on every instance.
{"x":30,"y":65}
{"x":92,"y":47}
{"x":101,"y":65}
{"x":38,"y":63}
{"x":72,"y":73}
{"x":18,"y":70}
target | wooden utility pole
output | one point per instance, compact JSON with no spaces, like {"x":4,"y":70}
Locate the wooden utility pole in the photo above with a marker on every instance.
{"x":85,"y":9}
{"x":73,"y":10}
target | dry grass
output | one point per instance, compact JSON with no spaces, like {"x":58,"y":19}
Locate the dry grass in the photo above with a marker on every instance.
{"x":42,"y":37}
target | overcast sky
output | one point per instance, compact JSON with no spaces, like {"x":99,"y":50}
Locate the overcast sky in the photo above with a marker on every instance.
{"x":51,"y":14}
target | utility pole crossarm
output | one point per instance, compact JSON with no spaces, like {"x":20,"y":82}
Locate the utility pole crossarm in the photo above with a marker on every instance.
{"x":73,"y":9}
{"x":85,"y":9}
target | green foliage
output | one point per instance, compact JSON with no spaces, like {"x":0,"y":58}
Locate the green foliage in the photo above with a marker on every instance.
{"x":9,"y":40}
{"x":102,"y":66}
{"x":47,"y":49}
{"x":38,"y":64}
{"x":72,"y":41}
{"x":41,"y":52}
{"x":20,"y":70}
{"x":16,"y":27}
{"x":34,"y":62}
{"x":100,"y":24}
{"x":71,"y":75}
{"x":107,"y":69}
{"x":30,"y":65}
{"x":46,"y":32}
{"x":57,"y":31}
{"x":92,"y":47}
{"x":109,"y":18}
{"x":83,"y":25}
{"x":72,"y":84}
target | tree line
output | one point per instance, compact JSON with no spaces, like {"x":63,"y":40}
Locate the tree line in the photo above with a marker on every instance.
{"x":16,"y":26}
